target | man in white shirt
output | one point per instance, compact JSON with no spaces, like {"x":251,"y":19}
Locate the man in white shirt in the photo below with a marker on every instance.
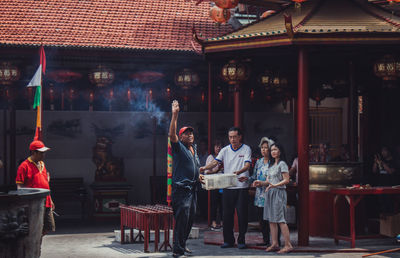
{"x":236,"y":158}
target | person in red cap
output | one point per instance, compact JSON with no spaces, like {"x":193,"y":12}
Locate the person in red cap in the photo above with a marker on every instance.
{"x":185,"y":178}
{"x":32,"y":173}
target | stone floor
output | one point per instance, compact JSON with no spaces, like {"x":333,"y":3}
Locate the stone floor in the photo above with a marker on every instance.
{"x":88,"y":239}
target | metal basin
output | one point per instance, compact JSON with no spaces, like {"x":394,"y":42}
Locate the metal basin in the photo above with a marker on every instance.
{"x":324,"y":176}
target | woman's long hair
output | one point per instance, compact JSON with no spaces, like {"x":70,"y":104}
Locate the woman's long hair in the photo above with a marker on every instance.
{"x":282,"y":156}
{"x":216,"y":143}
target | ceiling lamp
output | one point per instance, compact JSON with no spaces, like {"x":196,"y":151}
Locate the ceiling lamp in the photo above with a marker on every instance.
{"x":101,"y":76}
{"x":235,"y":72}
{"x":226,"y":4}
{"x":186,"y":78}
{"x":8,"y":73}
{"x":220,"y":15}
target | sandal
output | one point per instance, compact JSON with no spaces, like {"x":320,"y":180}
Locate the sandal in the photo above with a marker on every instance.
{"x":272,"y":248}
{"x":285,"y":250}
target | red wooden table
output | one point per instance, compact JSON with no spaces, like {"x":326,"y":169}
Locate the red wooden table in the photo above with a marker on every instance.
{"x":353,"y":196}
{"x":145,"y":218}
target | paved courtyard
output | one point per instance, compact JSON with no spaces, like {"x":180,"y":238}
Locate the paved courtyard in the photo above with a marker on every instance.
{"x":98,"y":240}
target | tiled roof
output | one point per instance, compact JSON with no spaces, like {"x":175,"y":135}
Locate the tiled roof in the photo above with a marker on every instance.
{"x":126,"y":24}
{"x":321,"y":17}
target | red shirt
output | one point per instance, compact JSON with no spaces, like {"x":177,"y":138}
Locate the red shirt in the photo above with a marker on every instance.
{"x":29,"y":175}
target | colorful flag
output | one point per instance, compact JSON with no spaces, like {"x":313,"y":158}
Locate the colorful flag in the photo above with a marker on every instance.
{"x":36,"y":81}
{"x":169,"y":172}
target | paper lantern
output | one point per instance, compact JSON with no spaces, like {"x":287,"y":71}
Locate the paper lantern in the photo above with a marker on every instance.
{"x":8,"y":73}
{"x":220,"y":15}
{"x":235,"y":72}
{"x":226,"y":4}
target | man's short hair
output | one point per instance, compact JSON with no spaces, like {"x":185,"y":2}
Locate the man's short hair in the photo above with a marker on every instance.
{"x":235,"y":129}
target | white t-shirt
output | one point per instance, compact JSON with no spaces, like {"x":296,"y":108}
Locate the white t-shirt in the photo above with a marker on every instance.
{"x":235,"y":160}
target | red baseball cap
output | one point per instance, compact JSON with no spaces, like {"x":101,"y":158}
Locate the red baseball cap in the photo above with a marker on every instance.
{"x":185,"y":128}
{"x":38,"y":146}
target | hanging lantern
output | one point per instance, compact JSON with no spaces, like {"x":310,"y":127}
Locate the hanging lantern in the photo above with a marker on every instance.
{"x":297,"y":3}
{"x":220,"y":15}
{"x":8,"y":73}
{"x":186,"y":79}
{"x":129,"y":95}
{"x":279,"y":83}
{"x":265,"y":79}
{"x":226,"y":4}
{"x":101,"y":76}
{"x":168,"y":92}
{"x":387,"y":68}
{"x":63,"y":76}
{"x":91,"y":100}
{"x":220,"y":94}
{"x":147,"y":76}
{"x":252,"y":94}
{"x":234,"y":72}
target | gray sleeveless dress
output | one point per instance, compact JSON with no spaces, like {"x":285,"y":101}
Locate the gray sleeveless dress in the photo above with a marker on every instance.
{"x":275,"y":198}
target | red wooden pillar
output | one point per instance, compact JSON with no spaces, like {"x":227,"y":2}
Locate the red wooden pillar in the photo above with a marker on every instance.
{"x":302,"y":148}
{"x":237,"y":122}
{"x":237,"y":100}
{"x":210,"y":98}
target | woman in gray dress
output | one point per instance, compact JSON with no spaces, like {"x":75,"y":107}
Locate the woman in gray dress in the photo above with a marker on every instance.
{"x":276,"y":199}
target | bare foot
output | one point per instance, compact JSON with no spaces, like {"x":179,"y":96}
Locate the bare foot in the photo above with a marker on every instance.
{"x":285,"y":250}
{"x":272,"y":248}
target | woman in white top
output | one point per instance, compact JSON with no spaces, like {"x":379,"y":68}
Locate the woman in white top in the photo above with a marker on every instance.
{"x":215,"y":195}
{"x":276,"y":199}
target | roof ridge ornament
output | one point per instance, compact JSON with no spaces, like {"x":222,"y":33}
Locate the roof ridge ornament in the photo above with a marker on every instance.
{"x":195,"y":38}
{"x":289,"y":25}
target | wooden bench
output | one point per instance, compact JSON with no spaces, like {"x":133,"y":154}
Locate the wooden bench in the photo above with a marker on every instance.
{"x":68,"y":194}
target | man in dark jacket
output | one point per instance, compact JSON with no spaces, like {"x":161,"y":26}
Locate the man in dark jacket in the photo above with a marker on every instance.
{"x":185,"y":176}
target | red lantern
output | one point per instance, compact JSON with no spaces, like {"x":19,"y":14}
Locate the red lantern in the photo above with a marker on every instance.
{"x":129,"y":95}
{"x":63,"y":76}
{"x":147,"y":76}
{"x":220,"y":95}
{"x":252,"y":94}
{"x":168,"y":92}
{"x":297,"y":3}
{"x":220,"y":15}
{"x":71,"y":94}
{"x":226,"y":4}
{"x":91,"y":97}
{"x":111,"y":96}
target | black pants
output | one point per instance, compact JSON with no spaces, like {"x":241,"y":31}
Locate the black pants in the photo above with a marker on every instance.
{"x":235,"y":199}
{"x":216,"y":205}
{"x":264,"y":227}
{"x":184,"y":208}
